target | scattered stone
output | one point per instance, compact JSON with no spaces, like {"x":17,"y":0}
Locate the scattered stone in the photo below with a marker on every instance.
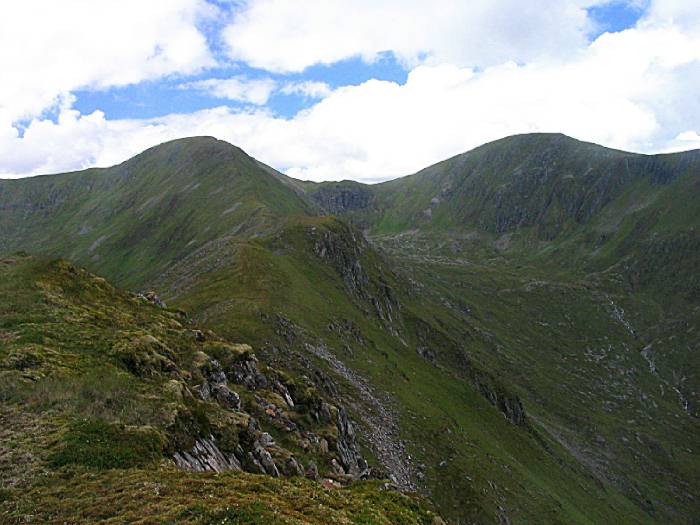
{"x":266,"y":440}
{"x":323,"y":446}
{"x":226,"y":397}
{"x":151,"y":297}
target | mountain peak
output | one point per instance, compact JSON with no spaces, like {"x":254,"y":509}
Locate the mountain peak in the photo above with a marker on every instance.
{"x":189,"y":148}
{"x":541,"y":142}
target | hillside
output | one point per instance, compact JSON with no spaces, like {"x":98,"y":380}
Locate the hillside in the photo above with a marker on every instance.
{"x":513,"y":336}
{"x":549,"y":197}
{"x":101,"y":390}
{"x":147,"y":212}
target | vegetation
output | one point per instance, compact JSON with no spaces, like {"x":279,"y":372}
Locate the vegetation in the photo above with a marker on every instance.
{"x":514,"y":337}
{"x":166,"y":495}
{"x":88,"y":437}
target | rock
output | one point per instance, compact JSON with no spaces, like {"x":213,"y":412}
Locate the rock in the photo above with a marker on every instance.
{"x":337,"y":468}
{"x":323,"y":446}
{"x":266,"y":461}
{"x":151,"y":297}
{"x":255,"y":465}
{"x":203,"y":391}
{"x":277,"y":416}
{"x":252,"y":426}
{"x":206,"y":456}
{"x":282,"y":390}
{"x":312,"y":471}
{"x":293,"y":468}
{"x":509,"y":405}
{"x":246,"y":373}
{"x":426,"y":354}
{"x":330,"y":484}
{"x":324,"y":414}
{"x":265,"y":440}
{"x":215,"y":385}
{"x":226,"y":397}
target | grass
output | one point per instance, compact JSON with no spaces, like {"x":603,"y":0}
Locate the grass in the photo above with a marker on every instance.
{"x":96,"y":395}
{"x":96,"y":443}
{"x":490,"y":468}
{"x":506,"y":281}
{"x":162,"y":495}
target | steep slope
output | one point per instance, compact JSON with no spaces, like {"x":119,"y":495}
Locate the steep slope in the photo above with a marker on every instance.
{"x":131,"y":221}
{"x":318,"y":298}
{"x":547,"y":196}
{"x":579,"y":263}
{"x":104,"y":393}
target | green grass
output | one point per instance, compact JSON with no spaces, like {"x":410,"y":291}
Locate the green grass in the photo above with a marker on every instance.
{"x":154,"y":496}
{"x":507,"y":281}
{"x":96,"y":443}
{"x":94,"y":379}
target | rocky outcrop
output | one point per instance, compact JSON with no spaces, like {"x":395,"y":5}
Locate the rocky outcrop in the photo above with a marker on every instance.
{"x":382,"y":430}
{"x":345,"y":249}
{"x":151,"y":297}
{"x":343,"y":197}
{"x":215,"y":385}
{"x":508,"y":404}
{"x":206,"y":456}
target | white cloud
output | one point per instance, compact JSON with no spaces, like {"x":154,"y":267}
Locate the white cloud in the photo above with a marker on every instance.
{"x":680,"y":13}
{"x":289,"y":35}
{"x":50,"y":48}
{"x":684,"y":141}
{"x":257,"y":91}
{"x":308,"y":89}
{"x":253,"y":91}
{"x":633,"y":90}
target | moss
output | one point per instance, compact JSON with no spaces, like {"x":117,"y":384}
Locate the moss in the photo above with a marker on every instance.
{"x":96,"y":443}
{"x":191,"y":422}
{"x":145,"y":356}
{"x":162,"y":496}
{"x":226,"y":353}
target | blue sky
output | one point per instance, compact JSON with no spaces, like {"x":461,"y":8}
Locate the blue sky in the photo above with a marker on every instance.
{"x":162,"y":96}
{"x":367,"y":90}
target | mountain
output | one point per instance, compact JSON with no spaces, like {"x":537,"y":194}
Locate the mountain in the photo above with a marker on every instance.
{"x":510,"y":332}
{"x":99,"y":386}
{"x":546,"y":196}
{"x":147,"y":212}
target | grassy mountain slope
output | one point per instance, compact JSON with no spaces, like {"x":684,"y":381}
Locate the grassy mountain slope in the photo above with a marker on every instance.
{"x":131,"y":221}
{"x":514,"y":349}
{"x":99,"y":388}
{"x":315,"y":293}
{"x":579,"y":263}
{"x":546,"y":196}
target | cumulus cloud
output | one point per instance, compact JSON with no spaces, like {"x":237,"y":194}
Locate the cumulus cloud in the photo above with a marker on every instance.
{"x":49,"y":48}
{"x":289,"y":35}
{"x":634,"y":90}
{"x":252,"y":91}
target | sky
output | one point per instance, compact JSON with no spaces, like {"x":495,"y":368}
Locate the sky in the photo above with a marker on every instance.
{"x":367,"y":90}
